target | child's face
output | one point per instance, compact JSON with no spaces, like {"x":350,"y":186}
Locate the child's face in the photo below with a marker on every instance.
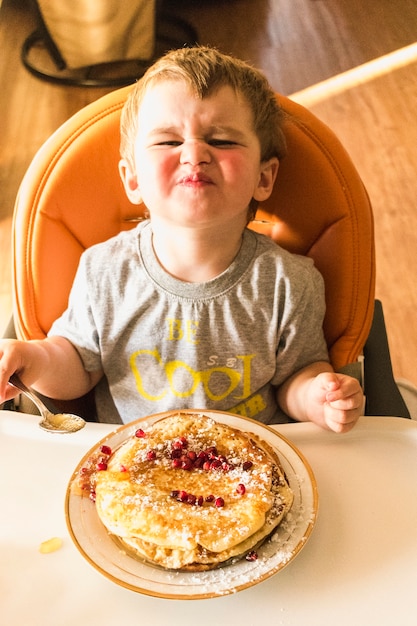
{"x":197,"y":161}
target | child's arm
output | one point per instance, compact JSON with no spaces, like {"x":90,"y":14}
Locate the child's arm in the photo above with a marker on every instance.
{"x":318,"y":394}
{"x":52,"y":366}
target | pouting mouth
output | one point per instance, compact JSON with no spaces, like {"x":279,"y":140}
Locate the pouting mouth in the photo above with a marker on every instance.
{"x":195,"y":179}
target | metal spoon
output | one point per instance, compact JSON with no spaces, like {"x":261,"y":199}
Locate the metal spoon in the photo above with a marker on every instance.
{"x":52,"y":422}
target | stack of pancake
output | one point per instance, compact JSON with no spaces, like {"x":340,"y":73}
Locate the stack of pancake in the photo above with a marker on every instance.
{"x":191,"y":493}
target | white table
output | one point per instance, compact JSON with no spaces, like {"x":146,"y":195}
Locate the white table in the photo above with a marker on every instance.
{"x":359,"y":567}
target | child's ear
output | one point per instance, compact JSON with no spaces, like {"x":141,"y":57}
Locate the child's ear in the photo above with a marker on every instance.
{"x":267,"y":176}
{"x":130,"y":182}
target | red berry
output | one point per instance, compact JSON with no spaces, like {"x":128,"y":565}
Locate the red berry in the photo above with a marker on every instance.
{"x":140,"y":433}
{"x":210,"y":498}
{"x":176,"y":463}
{"x":186,"y":464}
{"x":219,"y":502}
{"x":101,"y":466}
{"x":180,"y":443}
{"x":240,"y":489}
{"x":105,"y":450}
{"x":247,"y":465}
{"x":151,"y":455}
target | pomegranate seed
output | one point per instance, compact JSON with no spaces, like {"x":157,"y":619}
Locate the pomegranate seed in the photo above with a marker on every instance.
{"x":202,"y":455}
{"x":240,"y":489}
{"x":180,"y":443}
{"x":252,"y":556}
{"x":183,"y":495}
{"x":191,"y":499}
{"x":176,"y":453}
{"x":247,"y":465}
{"x":207,"y":466}
{"x":200,"y":501}
{"x":215,"y":464}
{"x":226,"y":467}
{"x":105,"y":450}
{"x":123,"y":468}
{"x":140,"y":433}
{"x":210,"y":498}
{"x":219,"y":502}
{"x":199,"y":463}
{"x":186,"y":464}
{"x":192,"y":455}
{"x":175,"y":493}
{"x":176,"y":463}
{"x":151,"y":455}
{"x":101,"y":466}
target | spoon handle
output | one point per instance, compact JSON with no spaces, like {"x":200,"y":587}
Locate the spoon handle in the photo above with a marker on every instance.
{"x":16,"y":382}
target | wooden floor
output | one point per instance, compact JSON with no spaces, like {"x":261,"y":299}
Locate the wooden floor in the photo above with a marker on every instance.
{"x":353,"y":63}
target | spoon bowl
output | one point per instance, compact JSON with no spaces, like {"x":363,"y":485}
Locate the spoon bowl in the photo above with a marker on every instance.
{"x":60,"y":423}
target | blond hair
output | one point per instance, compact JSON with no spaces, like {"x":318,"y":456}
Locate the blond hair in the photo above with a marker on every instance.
{"x":206,"y":70}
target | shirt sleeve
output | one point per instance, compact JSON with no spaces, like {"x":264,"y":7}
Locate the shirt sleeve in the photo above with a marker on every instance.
{"x":301,"y":339}
{"x":77,"y":323}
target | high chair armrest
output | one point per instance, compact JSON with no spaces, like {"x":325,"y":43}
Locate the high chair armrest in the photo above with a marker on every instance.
{"x":382,"y":394}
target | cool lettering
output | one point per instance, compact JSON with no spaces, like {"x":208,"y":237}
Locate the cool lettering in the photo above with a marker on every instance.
{"x":219,"y":382}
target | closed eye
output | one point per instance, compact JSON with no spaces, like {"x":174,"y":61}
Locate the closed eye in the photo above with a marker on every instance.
{"x":169,"y":143}
{"x":219,"y":143}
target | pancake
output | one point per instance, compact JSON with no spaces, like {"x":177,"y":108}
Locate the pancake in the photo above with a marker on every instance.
{"x":191,"y":493}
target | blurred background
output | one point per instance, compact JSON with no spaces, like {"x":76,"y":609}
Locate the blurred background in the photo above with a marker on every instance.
{"x":353,"y":63}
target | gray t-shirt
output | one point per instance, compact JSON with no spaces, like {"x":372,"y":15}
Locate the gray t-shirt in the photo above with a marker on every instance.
{"x":167,"y":344}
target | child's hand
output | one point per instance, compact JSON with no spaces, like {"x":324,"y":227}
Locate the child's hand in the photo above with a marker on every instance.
{"x":16,"y":356}
{"x":52,"y":363}
{"x":337,"y":399}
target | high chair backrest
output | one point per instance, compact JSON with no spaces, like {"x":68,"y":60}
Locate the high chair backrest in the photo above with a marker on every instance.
{"x":71,"y":197}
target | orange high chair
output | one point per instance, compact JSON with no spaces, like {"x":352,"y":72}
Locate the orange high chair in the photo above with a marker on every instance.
{"x":71,"y":198}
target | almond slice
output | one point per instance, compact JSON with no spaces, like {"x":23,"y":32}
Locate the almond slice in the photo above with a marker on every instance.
{"x":51,"y":545}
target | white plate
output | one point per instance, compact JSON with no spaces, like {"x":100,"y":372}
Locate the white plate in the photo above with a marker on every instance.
{"x":98,"y":547}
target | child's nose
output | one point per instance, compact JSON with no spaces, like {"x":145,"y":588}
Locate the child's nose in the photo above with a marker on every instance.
{"x":195,"y":152}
